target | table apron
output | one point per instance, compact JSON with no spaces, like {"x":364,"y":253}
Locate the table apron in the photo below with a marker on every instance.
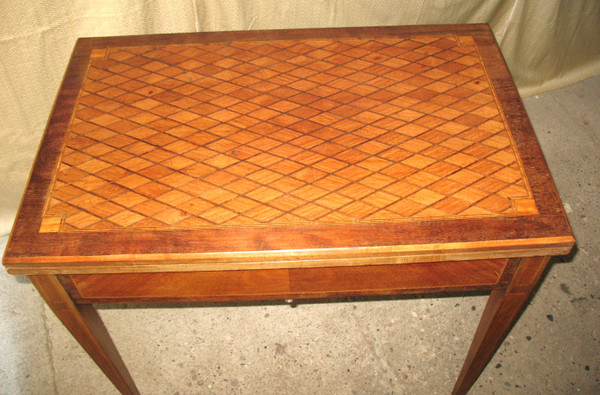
{"x":296,"y":283}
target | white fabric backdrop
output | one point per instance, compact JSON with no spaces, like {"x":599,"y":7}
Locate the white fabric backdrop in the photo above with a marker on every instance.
{"x":547,"y":44}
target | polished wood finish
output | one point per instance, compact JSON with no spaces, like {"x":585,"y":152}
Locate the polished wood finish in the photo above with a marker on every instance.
{"x":85,"y":325}
{"x":498,"y":316}
{"x":168,"y":162}
{"x":288,"y":164}
{"x":288,"y":283}
{"x":331,"y":131}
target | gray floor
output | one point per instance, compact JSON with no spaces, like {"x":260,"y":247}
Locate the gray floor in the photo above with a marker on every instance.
{"x":399,"y":345}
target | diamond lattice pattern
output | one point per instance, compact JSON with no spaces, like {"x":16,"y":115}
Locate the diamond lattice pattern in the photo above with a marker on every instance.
{"x":285,"y":132}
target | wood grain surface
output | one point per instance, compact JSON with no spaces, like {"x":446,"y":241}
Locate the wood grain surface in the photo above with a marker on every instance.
{"x":166,"y":149}
{"x":284,"y":132}
{"x":280,"y":284}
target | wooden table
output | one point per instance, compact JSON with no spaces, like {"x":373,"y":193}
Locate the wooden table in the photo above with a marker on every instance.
{"x":287,"y":164}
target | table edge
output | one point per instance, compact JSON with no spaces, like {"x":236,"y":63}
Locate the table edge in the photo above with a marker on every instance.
{"x":288,"y":259}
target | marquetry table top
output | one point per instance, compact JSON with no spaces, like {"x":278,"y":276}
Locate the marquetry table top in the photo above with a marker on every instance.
{"x":232,"y":149}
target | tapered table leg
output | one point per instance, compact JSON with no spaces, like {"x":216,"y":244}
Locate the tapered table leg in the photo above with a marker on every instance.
{"x":85,"y":325}
{"x":501,"y":310}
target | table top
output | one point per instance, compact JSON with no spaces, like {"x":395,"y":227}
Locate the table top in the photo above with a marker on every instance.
{"x":286,"y":148}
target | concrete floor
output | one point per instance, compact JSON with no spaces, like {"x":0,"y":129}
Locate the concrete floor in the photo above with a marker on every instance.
{"x":397,"y":345}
